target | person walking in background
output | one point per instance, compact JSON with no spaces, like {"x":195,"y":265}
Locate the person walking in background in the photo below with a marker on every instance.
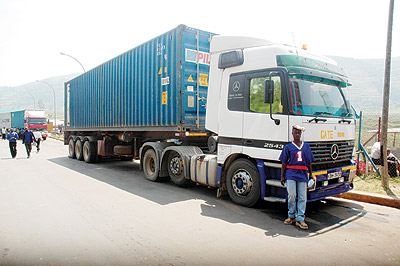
{"x":3,"y":133}
{"x":28,"y":138}
{"x":20,"y":132}
{"x":296,"y":158}
{"x":38,"y":137}
{"x":12,"y":137}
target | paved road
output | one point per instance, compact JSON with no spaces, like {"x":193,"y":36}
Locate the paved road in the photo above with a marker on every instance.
{"x":59,"y":211}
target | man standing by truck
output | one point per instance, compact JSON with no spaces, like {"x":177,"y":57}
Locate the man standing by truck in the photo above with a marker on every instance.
{"x":296,"y":158}
{"x":28,"y":137}
{"x":12,"y":137}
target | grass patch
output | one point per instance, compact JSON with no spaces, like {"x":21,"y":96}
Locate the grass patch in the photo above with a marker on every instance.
{"x":372,"y":183}
{"x":57,"y":136}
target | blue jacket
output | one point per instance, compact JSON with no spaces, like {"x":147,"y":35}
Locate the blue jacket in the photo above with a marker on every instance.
{"x":28,"y":136}
{"x":12,"y":136}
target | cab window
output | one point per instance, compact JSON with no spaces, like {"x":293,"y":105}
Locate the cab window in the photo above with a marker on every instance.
{"x":257,"y":95}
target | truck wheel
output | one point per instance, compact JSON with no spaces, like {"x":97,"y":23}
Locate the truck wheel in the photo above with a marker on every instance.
{"x":71,"y":149}
{"x":89,"y":152}
{"x":175,"y":169}
{"x":150,"y":165}
{"x":79,"y":150}
{"x":243,"y":183}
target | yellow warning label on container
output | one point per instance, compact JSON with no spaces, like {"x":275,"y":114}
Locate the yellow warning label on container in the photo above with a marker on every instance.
{"x":165,"y":69}
{"x":159,"y":72}
{"x":190,"y":79}
{"x":203,"y":80}
{"x":164,"y":97}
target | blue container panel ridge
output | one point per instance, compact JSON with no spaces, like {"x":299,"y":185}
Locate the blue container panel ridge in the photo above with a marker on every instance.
{"x":152,"y":85}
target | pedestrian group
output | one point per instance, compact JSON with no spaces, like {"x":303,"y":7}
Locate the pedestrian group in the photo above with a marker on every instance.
{"x":26,"y":135}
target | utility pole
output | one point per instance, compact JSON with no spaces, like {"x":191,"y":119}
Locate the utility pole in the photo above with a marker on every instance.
{"x":385,"y":108}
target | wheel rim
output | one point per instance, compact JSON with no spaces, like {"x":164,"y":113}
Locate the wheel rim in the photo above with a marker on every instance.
{"x":242,"y":182}
{"x":85,"y":151}
{"x":150,"y":166}
{"x":78,"y":149}
{"x":71,"y":148}
{"x":176,"y":166}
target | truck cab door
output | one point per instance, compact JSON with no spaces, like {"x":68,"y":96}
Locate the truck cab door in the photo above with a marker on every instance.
{"x":263,"y":137}
{"x":230,"y":120}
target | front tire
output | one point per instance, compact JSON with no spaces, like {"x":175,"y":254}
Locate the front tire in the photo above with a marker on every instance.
{"x":176,"y":169}
{"x":79,"y":150}
{"x":151,"y":166}
{"x":243,"y":183}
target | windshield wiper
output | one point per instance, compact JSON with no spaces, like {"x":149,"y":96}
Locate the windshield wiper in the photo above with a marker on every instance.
{"x":317,"y":119}
{"x":343,"y":120}
{"x":323,"y":113}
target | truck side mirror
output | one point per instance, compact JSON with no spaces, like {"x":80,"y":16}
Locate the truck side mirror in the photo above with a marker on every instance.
{"x":269,"y":91}
{"x":269,"y":97}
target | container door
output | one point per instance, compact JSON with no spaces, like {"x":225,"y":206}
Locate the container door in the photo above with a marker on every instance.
{"x":195,"y":70}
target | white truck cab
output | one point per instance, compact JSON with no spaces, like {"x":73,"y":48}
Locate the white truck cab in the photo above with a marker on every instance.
{"x":257,"y":91}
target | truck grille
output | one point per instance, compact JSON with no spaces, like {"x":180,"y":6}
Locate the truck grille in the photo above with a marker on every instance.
{"x":322,"y":152}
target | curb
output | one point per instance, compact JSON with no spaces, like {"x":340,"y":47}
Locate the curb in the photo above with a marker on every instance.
{"x":55,"y":138}
{"x":390,"y":201}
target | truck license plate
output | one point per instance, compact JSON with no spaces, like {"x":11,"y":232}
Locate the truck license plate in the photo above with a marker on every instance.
{"x":335,"y":175}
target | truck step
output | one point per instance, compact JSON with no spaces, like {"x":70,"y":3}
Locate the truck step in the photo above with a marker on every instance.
{"x":274,"y":183}
{"x":275,"y":199}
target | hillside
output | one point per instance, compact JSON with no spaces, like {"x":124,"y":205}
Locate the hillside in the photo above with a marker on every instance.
{"x":36,"y":93}
{"x":367,"y":78}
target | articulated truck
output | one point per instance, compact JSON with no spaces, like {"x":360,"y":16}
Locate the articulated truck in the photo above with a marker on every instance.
{"x":34,"y":120}
{"x":214,"y":110}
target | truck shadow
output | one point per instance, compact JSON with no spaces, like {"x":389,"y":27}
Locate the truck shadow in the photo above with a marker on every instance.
{"x":321,"y":216}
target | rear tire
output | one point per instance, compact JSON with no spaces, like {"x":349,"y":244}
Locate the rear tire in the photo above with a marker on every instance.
{"x":176,"y":169}
{"x":89,"y":152}
{"x":243,"y":183}
{"x":151,"y":166}
{"x":79,"y":150}
{"x":71,"y":149}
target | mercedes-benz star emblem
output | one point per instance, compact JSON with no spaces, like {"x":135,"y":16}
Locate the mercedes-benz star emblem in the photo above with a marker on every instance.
{"x":236,"y":86}
{"x":334,"y":151}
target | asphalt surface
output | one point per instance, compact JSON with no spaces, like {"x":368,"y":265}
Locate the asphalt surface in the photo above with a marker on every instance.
{"x":59,"y":211}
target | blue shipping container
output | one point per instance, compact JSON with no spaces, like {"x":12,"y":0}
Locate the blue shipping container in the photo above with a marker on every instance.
{"x":151,"y":87}
{"x":18,"y":119}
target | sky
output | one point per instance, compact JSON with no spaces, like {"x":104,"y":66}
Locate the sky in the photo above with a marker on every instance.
{"x":34,"y":32}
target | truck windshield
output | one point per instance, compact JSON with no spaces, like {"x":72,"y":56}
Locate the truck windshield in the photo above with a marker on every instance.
{"x":37,"y":121}
{"x":319,"y":99}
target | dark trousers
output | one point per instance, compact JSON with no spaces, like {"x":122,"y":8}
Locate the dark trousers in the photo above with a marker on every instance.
{"x":38,"y":145}
{"x":13,"y":149}
{"x":28,"y":146}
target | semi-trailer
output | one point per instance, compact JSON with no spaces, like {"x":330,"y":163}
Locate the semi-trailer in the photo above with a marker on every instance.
{"x":217,"y":111}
